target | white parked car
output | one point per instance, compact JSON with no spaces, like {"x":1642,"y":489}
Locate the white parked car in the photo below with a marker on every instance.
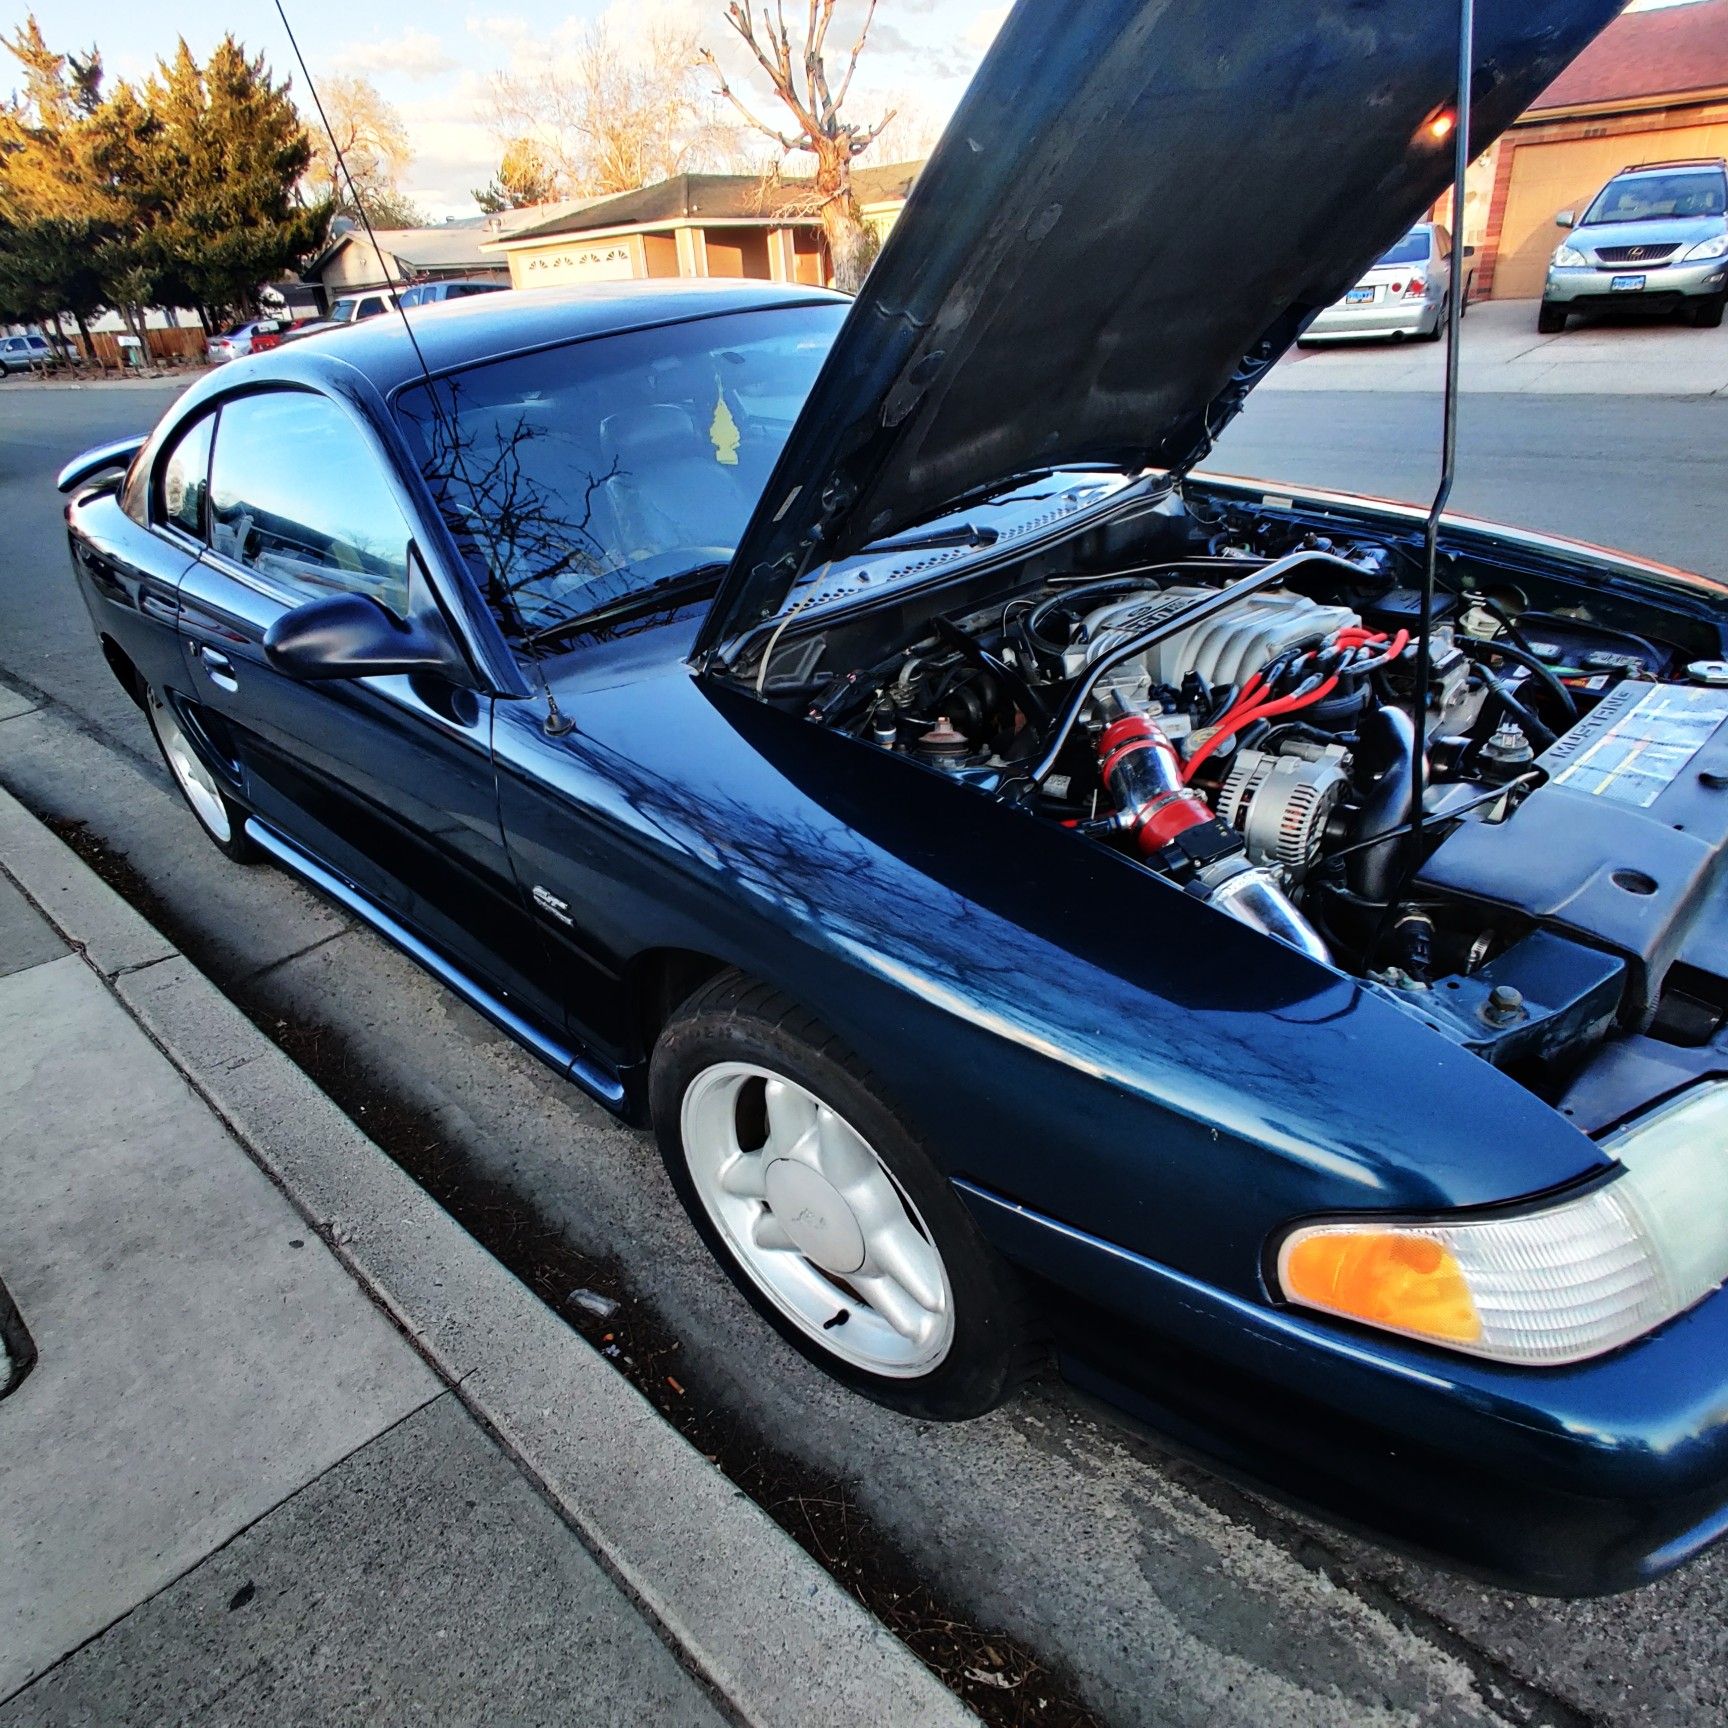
{"x":252,"y":337}
{"x":1405,"y":294}
{"x":27,"y":353}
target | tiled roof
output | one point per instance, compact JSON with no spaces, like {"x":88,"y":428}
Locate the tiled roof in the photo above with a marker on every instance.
{"x":1664,"y":52}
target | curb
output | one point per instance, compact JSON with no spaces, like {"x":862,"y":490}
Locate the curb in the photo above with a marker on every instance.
{"x":750,"y":1613}
{"x":103,"y":380}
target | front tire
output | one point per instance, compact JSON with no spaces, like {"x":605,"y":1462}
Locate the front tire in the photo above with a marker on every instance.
{"x":1707,"y":314}
{"x":223,"y":821}
{"x":826,"y":1212}
{"x":1550,"y":319}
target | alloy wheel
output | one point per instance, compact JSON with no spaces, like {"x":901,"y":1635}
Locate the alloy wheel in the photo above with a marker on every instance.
{"x":815,"y":1217}
{"x":190,"y":774}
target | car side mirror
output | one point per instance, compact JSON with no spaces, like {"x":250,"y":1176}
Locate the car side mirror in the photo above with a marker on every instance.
{"x":352,"y":636}
{"x":1469,"y":251}
{"x":1566,"y":219}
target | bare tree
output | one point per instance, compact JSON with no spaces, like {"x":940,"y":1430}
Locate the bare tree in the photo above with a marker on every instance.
{"x":799,"y":78}
{"x":523,"y":178}
{"x":607,"y":119}
{"x":374,"y":145}
{"x":911,"y":133}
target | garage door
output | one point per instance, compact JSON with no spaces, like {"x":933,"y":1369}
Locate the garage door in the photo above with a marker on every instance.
{"x":1548,"y":178}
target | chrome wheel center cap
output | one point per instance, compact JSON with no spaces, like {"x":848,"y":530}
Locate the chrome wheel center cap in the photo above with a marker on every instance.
{"x":811,"y":1210}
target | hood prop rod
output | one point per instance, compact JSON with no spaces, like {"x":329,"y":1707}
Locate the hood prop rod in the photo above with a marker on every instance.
{"x":1449,"y":420}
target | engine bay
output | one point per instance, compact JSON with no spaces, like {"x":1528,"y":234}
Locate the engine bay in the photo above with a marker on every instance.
{"x":1514,"y":825}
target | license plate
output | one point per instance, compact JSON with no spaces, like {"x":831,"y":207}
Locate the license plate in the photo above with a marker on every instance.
{"x":1625,"y":284}
{"x":1361,"y":296}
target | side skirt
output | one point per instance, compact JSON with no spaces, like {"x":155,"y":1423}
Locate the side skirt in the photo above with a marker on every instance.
{"x":596,"y":1081}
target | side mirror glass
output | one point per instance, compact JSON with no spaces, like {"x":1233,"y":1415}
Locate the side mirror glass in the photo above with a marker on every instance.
{"x":351,"y":636}
{"x":1469,"y":251}
{"x":1566,"y":219}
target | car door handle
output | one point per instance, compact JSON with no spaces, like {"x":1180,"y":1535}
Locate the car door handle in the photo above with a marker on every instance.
{"x":218,"y":667}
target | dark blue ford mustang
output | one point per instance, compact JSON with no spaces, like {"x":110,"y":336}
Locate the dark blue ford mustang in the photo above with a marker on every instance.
{"x":1037,"y":894}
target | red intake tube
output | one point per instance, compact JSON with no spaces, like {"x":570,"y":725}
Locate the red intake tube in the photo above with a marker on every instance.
{"x":1143,"y":773}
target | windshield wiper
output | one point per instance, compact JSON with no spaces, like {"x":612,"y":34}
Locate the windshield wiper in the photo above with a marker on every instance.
{"x":963,"y":534}
{"x":668,"y":591}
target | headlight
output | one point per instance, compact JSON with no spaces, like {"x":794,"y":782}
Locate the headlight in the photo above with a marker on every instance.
{"x":1559,"y":1284}
{"x":1717,"y":248}
{"x":1570,"y":257}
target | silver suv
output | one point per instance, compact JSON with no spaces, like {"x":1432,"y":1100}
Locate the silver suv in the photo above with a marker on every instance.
{"x":1654,"y":238}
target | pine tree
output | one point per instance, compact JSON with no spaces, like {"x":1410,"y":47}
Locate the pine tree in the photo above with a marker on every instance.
{"x":220,"y":163}
{"x":54,"y":223}
{"x":182,"y":193}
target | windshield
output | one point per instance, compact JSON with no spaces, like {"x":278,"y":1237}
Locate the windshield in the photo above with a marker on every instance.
{"x":1658,"y":197}
{"x":575,"y":478}
{"x":1412,"y":249}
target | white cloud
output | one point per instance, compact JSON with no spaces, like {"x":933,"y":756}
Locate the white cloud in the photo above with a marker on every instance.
{"x":417,"y":55}
{"x":981,"y":32}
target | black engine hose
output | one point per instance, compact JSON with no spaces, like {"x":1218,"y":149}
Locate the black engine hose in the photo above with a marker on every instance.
{"x":1032,"y":623}
{"x":1384,"y":748}
{"x":1478,"y":650}
{"x":1024,"y":697}
{"x":1500,"y":691}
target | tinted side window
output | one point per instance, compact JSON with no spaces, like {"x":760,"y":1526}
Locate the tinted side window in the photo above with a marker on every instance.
{"x":183,"y":479}
{"x":298,"y":495}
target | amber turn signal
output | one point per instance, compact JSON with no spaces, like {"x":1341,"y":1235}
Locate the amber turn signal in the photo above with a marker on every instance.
{"x":1397,"y":1279}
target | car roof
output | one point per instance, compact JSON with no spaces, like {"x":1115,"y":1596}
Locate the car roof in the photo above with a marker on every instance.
{"x":1715,"y":162}
{"x":452,"y":333}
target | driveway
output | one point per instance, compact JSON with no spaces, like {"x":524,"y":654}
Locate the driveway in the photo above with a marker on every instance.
{"x":1502,"y":354}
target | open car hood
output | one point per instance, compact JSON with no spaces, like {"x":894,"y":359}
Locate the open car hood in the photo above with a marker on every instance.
{"x":1136,"y":208}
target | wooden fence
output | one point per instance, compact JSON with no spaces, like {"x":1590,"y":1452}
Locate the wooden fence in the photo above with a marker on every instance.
{"x":165,"y":347}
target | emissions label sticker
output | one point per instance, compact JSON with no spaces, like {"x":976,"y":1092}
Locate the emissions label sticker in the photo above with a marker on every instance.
{"x":1633,"y":745}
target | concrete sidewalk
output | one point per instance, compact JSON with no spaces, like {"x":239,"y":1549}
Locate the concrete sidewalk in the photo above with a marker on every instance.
{"x":1501,"y":354}
{"x":231,"y":1489}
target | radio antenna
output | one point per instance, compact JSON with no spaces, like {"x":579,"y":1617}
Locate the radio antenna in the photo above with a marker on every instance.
{"x":1449,"y":424}
{"x":557,"y":724}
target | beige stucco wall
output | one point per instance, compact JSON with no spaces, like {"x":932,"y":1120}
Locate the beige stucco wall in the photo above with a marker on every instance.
{"x":357,"y":265}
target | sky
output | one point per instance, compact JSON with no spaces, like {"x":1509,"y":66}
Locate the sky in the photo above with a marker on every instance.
{"x":432,"y":59}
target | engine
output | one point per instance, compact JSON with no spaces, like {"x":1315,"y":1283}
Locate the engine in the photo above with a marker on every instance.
{"x":1265,"y":726}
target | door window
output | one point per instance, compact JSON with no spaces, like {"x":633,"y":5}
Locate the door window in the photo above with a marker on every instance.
{"x":297,"y":494}
{"x":183,"y":479}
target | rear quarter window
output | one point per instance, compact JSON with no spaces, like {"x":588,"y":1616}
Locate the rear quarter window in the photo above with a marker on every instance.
{"x":183,"y":480}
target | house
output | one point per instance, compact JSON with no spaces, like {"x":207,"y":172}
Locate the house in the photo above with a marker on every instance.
{"x":1653,"y":87}
{"x":353,"y":264}
{"x":748,"y":225}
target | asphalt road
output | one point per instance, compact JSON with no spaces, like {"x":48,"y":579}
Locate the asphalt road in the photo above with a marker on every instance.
{"x":1641,"y":473}
{"x":1168,"y":1596}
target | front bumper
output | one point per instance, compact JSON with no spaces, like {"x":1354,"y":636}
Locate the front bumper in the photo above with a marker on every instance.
{"x":1569,"y":1481}
{"x":1592,"y":285}
{"x":1378,"y":318}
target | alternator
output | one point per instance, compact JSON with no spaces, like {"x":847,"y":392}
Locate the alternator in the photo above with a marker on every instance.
{"x":1280,"y":804}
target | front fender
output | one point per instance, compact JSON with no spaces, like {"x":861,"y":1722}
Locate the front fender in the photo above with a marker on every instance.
{"x":1061,"y":1026}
